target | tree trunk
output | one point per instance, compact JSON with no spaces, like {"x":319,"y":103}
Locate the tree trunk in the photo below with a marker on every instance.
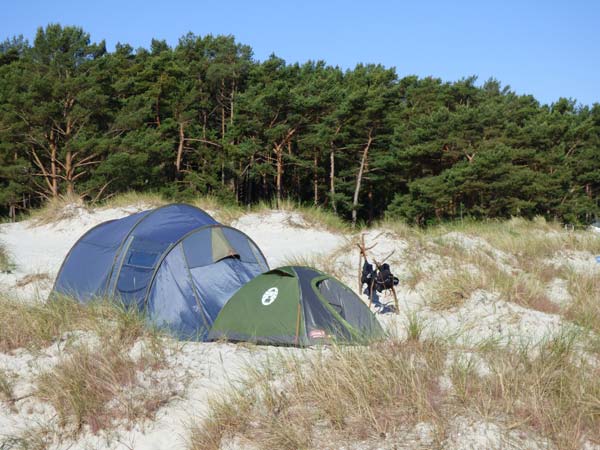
{"x":279,"y":163}
{"x":369,"y":195}
{"x":158,"y":110}
{"x":316,"y":180}
{"x":278,"y":148}
{"x":180,"y":147}
{"x":53,"y":167}
{"x":69,"y":173}
{"x":359,"y":177}
{"x":249,"y":183}
{"x":265,"y":186}
{"x":332,"y":179}
{"x":222,"y":109}
{"x":231,"y":102}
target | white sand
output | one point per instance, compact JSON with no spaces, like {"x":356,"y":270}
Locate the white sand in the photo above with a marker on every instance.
{"x":40,"y":249}
{"x":285,"y":236}
{"x":199,"y":370}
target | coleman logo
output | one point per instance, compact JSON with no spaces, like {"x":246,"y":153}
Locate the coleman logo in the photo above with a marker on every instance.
{"x":269,"y":296}
{"x":317,"y":334}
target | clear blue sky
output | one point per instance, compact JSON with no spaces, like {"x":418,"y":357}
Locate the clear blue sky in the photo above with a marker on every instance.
{"x":545,"y":48}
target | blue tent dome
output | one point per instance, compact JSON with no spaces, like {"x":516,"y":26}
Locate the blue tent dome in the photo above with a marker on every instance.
{"x":175,"y":262}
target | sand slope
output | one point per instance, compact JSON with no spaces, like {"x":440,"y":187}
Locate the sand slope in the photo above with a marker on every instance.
{"x":201,"y":369}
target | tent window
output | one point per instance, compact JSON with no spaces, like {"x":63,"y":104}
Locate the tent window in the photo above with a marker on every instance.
{"x":332,"y":293}
{"x":142,"y":259}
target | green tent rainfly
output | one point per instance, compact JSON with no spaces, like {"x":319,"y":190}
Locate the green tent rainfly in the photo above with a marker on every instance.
{"x":295,"y":306}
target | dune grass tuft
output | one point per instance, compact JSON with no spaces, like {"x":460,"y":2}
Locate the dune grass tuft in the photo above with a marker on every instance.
{"x":415,"y":326}
{"x":585,"y":307}
{"x":555,"y":393}
{"x":38,"y":325}
{"x":97,"y":378}
{"x":224,"y":212}
{"x":34,"y":438}
{"x":5,"y":264}
{"x":229,"y":415}
{"x":6,"y":386}
{"x":367,"y":391}
{"x":58,"y":208}
{"x":453,"y":289}
{"x":98,"y":386}
{"x":133,"y":198}
{"x":363,"y":394}
{"x":314,"y":216}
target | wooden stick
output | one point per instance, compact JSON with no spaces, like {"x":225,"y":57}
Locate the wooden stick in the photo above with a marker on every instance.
{"x":379,"y":264}
{"x":371,"y":287}
{"x":363,"y":254}
{"x":395,"y":300}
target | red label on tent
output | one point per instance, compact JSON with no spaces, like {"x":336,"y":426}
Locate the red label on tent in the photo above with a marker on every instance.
{"x":317,"y":334}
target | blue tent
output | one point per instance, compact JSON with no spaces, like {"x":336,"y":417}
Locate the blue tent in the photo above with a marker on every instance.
{"x":175,"y":262}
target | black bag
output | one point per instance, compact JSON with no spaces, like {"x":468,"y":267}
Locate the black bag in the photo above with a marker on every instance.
{"x":385,"y":279}
{"x":367,"y":273}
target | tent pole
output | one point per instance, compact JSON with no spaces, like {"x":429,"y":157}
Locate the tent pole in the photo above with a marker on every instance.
{"x":298,"y":324}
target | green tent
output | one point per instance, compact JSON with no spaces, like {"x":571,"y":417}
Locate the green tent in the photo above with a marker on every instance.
{"x":295,"y":306}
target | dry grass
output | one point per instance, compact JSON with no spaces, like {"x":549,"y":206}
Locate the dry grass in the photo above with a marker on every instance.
{"x":452,"y":289}
{"x":416,"y":275}
{"x":585,"y":307}
{"x":402,"y":230}
{"x":132,"y":198}
{"x":555,"y":393}
{"x":525,"y":290}
{"x":99,"y":386}
{"x":59,"y":208}
{"x":530,"y":239}
{"x":225,"y":213}
{"x":5,"y":264}
{"x":523,"y":284}
{"x":323,"y":218}
{"x":38,"y":325}
{"x":367,"y":392}
{"x":415,"y":326}
{"x":229,"y":415}
{"x":349,"y":395}
{"x":314,"y":216}
{"x":34,"y":438}
{"x":6,"y":386}
{"x":96,"y":382}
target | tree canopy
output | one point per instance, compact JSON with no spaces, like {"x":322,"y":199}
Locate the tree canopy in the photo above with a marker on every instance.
{"x":205,"y":117}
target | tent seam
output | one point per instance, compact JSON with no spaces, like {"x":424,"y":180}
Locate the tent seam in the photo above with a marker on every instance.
{"x":196,"y":296}
{"x":132,"y":229}
{"x":73,"y":247}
